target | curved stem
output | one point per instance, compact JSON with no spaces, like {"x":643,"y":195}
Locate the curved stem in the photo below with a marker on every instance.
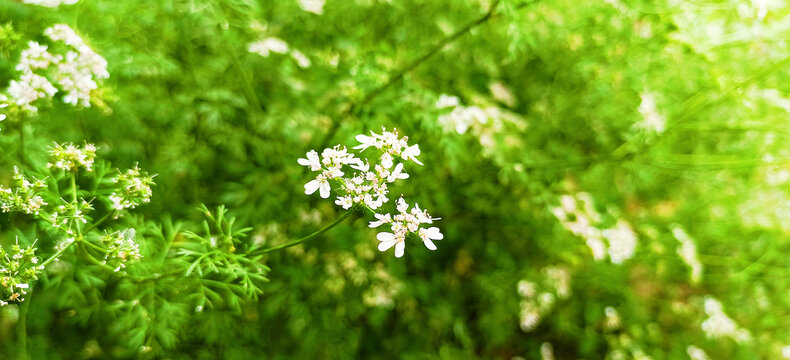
{"x":409,"y":67}
{"x":435,"y":49}
{"x":308,"y":237}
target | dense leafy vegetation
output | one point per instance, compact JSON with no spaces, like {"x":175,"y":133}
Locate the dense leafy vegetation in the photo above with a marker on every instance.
{"x":611,"y":178}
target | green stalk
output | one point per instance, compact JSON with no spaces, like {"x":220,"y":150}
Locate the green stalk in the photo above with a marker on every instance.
{"x":21,"y":329}
{"x":306,"y":238}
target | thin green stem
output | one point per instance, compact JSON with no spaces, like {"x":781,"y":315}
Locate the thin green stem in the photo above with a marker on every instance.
{"x":91,"y":245}
{"x":57,"y":254}
{"x":73,"y":187}
{"x":99,"y":222}
{"x":306,"y":238}
{"x":74,"y":199}
{"x":354,"y":108}
{"x":21,"y":329}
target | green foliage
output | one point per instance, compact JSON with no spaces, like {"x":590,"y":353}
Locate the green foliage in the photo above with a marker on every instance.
{"x":611,"y":177}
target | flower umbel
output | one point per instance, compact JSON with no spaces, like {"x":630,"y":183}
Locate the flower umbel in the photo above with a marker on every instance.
{"x":134,"y":188}
{"x":404,"y":223}
{"x":367,"y":185}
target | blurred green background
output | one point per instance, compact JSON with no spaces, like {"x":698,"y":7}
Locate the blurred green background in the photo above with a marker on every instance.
{"x":670,"y":115}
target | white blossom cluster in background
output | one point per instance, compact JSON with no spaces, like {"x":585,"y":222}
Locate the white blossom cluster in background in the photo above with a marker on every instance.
{"x":121,"y":248}
{"x":3,"y":105}
{"x":719,"y":325}
{"x":696,"y":353}
{"x":18,"y":268}
{"x":23,"y":195}
{"x":266,"y":46}
{"x":688,"y":252}
{"x":482,"y":122}
{"x":362,"y":183}
{"x":537,"y":300}
{"x":578,"y":215}
{"x":313,"y":6}
{"x":69,"y":157}
{"x":134,"y":188}
{"x":611,"y":320}
{"x":50,"y":3}
{"x":652,"y":121}
{"x":75,"y":71}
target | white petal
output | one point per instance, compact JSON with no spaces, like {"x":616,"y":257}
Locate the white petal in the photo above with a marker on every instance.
{"x":385,"y":236}
{"x":386,"y":245}
{"x":325,"y":190}
{"x":434,"y":233}
{"x":399,"y":247}
{"x":311,"y":187}
{"x":402,"y":206}
{"x":386,"y":160}
{"x":429,"y":244}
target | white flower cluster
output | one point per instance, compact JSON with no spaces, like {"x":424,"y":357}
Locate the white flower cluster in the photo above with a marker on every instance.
{"x":70,"y":215}
{"x":538,"y":300}
{"x":3,"y":105}
{"x":75,"y":72}
{"x":652,"y":120}
{"x":29,"y":88}
{"x":383,"y":288}
{"x":483,"y":123}
{"x":719,"y":325}
{"x":313,"y":6}
{"x":50,"y":3}
{"x":369,"y":186}
{"x":121,"y":247}
{"x":134,"y":188}
{"x":688,"y":252}
{"x":266,"y":46}
{"x":611,"y":320}
{"x":23,"y":195}
{"x":18,"y":268}
{"x":578,"y":215}
{"x":69,"y":157}
{"x":696,"y":353}
{"x":405,"y":223}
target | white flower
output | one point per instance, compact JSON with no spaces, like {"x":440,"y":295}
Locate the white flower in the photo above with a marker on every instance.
{"x":411,"y":153}
{"x":652,"y":120}
{"x":397,"y":173}
{"x":386,"y":160}
{"x":312,"y":161}
{"x":300,"y":58}
{"x":447,"y":101}
{"x":363,"y":167}
{"x":380,"y":220}
{"x":345,"y":202}
{"x":388,"y":240}
{"x":718,"y":324}
{"x":313,"y":6}
{"x":688,"y":252}
{"x":432,"y":233}
{"x":50,"y":3}
{"x":696,"y":353}
{"x":29,"y":88}
{"x":622,"y":242}
{"x":321,"y":184}
{"x":365,"y":142}
{"x":35,"y":57}
{"x":265,"y":46}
